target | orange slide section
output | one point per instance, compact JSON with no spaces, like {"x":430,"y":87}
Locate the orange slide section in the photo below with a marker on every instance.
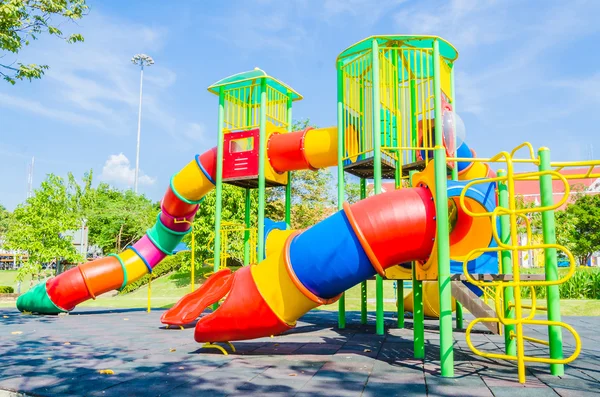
{"x":188,"y":308}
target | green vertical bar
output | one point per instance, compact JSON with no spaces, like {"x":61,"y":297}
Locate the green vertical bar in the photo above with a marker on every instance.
{"x":455,"y":166}
{"x":363,"y":302}
{"x":553,"y":294}
{"x":418,"y":313}
{"x":363,"y":285}
{"x":459,"y":308}
{"x":400,"y":302}
{"x":399,"y":283}
{"x":442,"y":233}
{"x":459,"y":315}
{"x":340,"y":172}
{"x":417,"y":291}
{"x":261,"y":169}
{"x":377,"y":172}
{"x":413,"y":117}
{"x":219,"y":182}
{"x":288,"y":186}
{"x":247,"y":231}
{"x":394,"y":118}
{"x":510,"y":344}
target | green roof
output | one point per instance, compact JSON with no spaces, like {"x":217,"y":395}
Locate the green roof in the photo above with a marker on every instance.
{"x":246,"y":79}
{"x":447,"y":50}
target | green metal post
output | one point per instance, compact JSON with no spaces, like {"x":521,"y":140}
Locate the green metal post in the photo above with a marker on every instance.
{"x":247,"y":231}
{"x":288,"y":186}
{"x":418,"y":313}
{"x":455,"y":166}
{"x":443,"y":232}
{"x":399,"y":283}
{"x":413,"y":117}
{"x":459,"y":316}
{"x":459,"y":308}
{"x":553,"y":294}
{"x":363,"y":285}
{"x":340,"y":173}
{"x":400,"y":302}
{"x":219,"y":182}
{"x":379,"y":327}
{"x":262,"y":148}
{"x":510,"y":344}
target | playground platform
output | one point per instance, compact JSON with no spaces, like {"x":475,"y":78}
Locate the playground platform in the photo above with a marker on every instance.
{"x":62,"y":356}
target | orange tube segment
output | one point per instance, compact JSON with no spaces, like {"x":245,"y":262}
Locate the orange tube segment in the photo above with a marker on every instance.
{"x":102,"y":275}
{"x":380,"y":226}
{"x":286,"y":151}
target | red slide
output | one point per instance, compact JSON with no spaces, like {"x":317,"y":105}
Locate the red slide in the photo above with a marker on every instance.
{"x":188,"y":308}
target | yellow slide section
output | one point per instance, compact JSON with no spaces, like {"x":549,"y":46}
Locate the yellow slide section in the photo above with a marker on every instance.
{"x":320,"y":147}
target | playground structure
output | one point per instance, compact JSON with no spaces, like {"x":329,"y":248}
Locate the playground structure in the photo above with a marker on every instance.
{"x":451,"y":220}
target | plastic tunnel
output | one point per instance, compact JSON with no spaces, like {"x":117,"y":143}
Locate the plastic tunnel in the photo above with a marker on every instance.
{"x":310,"y":148}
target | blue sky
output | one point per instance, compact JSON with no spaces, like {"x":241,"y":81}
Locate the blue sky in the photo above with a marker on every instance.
{"x":526,"y":71}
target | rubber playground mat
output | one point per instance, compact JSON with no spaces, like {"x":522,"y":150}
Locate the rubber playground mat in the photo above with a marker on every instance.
{"x":127,"y":352}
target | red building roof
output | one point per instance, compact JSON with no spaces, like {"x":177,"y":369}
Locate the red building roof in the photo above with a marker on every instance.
{"x":530,"y":190}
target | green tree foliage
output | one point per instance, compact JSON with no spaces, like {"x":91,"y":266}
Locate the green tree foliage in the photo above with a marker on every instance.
{"x":234,"y":205}
{"x":22,"y":21}
{"x":578,"y":227}
{"x":352,"y":189}
{"x":38,"y":225}
{"x":5,"y":217}
{"x":116,"y":218}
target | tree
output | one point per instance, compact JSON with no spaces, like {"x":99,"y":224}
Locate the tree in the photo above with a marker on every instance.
{"x":22,"y":21}
{"x":234,"y":209}
{"x":352,"y":189}
{"x":579,"y":227}
{"x":116,"y":218}
{"x":38,"y":225}
{"x":5,"y":217}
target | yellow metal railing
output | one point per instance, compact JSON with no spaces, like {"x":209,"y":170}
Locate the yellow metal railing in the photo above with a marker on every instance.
{"x":404,"y":73}
{"x":514,"y":247}
{"x":233,"y":232}
{"x":242,"y":108}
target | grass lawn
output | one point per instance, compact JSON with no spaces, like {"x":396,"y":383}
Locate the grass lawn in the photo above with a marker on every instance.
{"x":168,"y":289}
{"x":8,"y":278}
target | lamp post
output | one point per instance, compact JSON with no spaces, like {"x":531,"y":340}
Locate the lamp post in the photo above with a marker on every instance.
{"x":141,"y":60}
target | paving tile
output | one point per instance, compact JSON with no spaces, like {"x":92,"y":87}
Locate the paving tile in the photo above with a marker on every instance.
{"x":313,"y":359}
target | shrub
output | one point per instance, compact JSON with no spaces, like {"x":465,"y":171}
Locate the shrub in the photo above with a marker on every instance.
{"x":4,"y":289}
{"x":168,"y":265}
{"x":584,"y":284}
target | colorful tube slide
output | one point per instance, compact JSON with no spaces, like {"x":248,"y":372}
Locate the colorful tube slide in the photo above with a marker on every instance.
{"x":313,"y":267}
{"x":309,"y":148}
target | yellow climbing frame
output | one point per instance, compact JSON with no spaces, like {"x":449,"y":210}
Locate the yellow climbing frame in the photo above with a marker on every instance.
{"x":514,"y":247}
{"x":232,"y":244}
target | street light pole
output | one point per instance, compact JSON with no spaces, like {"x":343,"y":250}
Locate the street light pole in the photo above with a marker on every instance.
{"x":142,"y":60}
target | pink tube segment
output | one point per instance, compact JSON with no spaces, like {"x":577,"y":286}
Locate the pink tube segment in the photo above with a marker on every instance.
{"x":149,"y":252}
{"x":169,"y":220}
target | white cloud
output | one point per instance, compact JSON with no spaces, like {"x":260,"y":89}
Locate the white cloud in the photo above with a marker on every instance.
{"x":196,"y":132}
{"x":117,"y":169}
{"x":36,"y":107}
{"x":94,"y":82}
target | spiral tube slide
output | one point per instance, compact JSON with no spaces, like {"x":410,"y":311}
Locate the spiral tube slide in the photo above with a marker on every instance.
{"x":311,"y":268}
{"x":178,"y":208}
{"x":90,"y":279}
